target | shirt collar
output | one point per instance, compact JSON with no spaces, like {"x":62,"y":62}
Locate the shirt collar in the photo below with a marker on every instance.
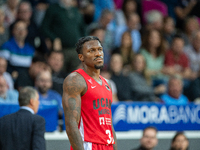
{"x":27,"y":108}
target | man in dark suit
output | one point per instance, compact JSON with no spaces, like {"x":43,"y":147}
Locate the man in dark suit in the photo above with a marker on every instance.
{"x":23,"y":130}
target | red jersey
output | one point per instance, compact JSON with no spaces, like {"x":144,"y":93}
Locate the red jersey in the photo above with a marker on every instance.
{"x":95,"y":123}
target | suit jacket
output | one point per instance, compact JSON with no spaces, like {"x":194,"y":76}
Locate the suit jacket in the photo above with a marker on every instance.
{"x":22,"y":131}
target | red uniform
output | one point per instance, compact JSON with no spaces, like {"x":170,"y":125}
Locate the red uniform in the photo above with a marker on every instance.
{"x":95,"y":123}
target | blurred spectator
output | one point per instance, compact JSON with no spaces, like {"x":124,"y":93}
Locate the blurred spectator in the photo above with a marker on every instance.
{"x":193,"y":92}
{"x":171,"y":4}
{"x":7,"y":95}
{"x":191,"y":26}
{"x":153,"y":51}
{"x":39,"y":8}
{"x":27,"y":77}
{"x":181,"y":9}
{"x":152,"y":8}
{"x":105,"y":23}
{"x":101,"y":5}
{"x":18,"y":53}
{"x":121,"y":15}
{"x":43,"y":84}
{"x":4,"y":31}
{"x":61,"y":20}
{"x":193,"y":53}
{"x":107,"y":75}
{"x":34,"y":37}
{"x":176,"y":61}
{"x":36,"y":3}
{"x":6,"y":75}
{"x":98,"y":32}
{"x":118,"y":4}
{"x":149,"y":139}
{"x":122,"y":81}
{"x":174,"y":94}
{"x":24,"y":12}
{"x":141,"y":90}
{"x":23,"y":129}
{"x":2,"y":2}
{"x":133,"y":25}
{"x":154,"y":20}
{"x":186,"y":8}
{"x":10,"y":10}
{"x":55,"y":60}
{"x":87,"y":8}
{"x":179,"y":142}
{"x":125,"y":49}
{"x":169,"y":30}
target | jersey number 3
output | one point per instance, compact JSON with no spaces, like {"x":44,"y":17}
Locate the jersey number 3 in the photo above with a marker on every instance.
{"x":111,"y":140}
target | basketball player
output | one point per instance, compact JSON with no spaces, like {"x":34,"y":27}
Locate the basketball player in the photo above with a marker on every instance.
{"x":87,"y":99}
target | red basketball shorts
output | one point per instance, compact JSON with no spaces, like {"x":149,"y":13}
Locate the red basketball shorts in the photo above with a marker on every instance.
{"x":95,"y":146}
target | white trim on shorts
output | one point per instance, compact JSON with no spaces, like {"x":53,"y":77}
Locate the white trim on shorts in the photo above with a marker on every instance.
{"x":81,"y":129}
{"x":87,"y":145}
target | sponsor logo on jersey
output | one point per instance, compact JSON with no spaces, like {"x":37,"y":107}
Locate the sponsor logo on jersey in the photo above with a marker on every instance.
{"x":102,"y":103}
{"x":93,"y":87}
{"x":104,"y":106}
{"x":104,"y":120}
{"x":104,"y":111}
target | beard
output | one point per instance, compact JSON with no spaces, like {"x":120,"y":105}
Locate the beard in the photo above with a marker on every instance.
{"x":98,"y":67}
{"x":42,"y":90}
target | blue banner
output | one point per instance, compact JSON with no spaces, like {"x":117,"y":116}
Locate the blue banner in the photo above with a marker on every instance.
{"x":137,"y":116}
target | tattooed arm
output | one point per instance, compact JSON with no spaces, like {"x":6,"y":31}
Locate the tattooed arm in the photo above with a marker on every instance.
{"x":73,"y":87}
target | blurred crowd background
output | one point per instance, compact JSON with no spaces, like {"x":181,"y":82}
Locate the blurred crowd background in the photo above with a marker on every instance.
{"x":151,"y":47}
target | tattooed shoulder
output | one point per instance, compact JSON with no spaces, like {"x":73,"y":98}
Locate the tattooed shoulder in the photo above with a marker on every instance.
{"x":74,"y":83}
